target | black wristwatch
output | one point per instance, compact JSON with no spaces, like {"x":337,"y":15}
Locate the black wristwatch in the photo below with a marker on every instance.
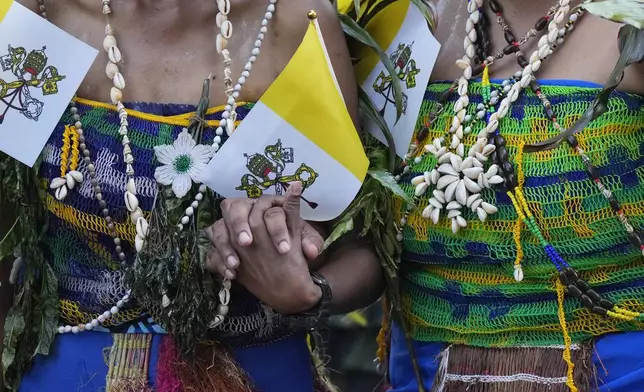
{"x":312,"y":318}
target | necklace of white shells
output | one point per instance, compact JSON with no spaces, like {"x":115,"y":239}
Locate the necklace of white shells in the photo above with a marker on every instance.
{"x":199,"y":155}
{"x":458,"y":179}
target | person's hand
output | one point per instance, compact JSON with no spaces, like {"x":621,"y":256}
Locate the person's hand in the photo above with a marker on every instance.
{"x":276,"y":275}
{"x":235,"y":228}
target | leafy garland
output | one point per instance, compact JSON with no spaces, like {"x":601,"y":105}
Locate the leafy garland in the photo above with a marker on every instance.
{"x":31,"y":323}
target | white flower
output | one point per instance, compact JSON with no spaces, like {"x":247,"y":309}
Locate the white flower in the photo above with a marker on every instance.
{"x":183,"y":162}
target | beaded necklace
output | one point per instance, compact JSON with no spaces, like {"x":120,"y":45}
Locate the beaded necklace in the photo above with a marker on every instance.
{"x":459,"y":179}
{"x":69,"y":179}
{"x":567,"y":276}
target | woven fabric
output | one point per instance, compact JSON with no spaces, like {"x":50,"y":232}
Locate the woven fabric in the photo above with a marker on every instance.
{"x":460,"y":288}
{"x":77,"y":241}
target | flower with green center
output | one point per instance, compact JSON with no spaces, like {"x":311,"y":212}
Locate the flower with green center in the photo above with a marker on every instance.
{"x":182,"y":163}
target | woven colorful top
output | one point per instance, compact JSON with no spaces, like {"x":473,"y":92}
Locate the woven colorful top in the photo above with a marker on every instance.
{"x":460,"y":288}
{"x":80,"y":249}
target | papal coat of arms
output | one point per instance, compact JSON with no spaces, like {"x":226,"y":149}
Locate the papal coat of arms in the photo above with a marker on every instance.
{"x":406,"y":70}
{"x":30,"y":71}
{"x":267,"y":171}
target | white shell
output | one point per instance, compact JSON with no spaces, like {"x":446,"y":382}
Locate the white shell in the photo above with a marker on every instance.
{"x":221,"y":43}
{"x":421,"y":188}
{"x":472,"y":199}
{"x":224,"y":6}
{"x":218,"y":320}
{"x":453,"y":213}
{"x":116,"y":95}
{"x":427,"y":177}
{"x":71,"y":183}
{"x":450,"y":191}
{"x":441,"y":151}
{"x":417,"y":180}
{"x":57,"y":182}
{"x":108,"y":42}
{"x":131,"y":202}
{"x":444,"y":181}
{"x":111,"y":69}
{"x":78,"y":176}
{"x":220,"y":19}
{"x":134,"y":216}
{"x":491,"y":172}
{"x":435,"y":215}
{"x":489,"y":208}
{"x":131,"y":186}
{"x":461,"y":193}
{"x":224,"y":297}
{"x":461,"y":221}
{"x":460,"y":150}
{"x":227,"y":29}
{"x":446,"y":168}
{"x":489,"y":148}
{"x":142,"y":227}
{"x":435,"y":176}
{"x":427,"y":211}
{"x":165,"y":301}
{"x":462,"y":64}
{"x":518,"y":274}
{"x":454,"y":205}
{"x":119,"y":81}
{"x":471,"y":185}
{"x":455,"y":226}
{"x":473,"y":172}
{"x":476,"y":204}
{"x":444,"y":159}
{"x":138,"y":243}
{"x":114,"y":54}
{"x":61,"y":193}
{"x":467,"y":163}
{"x":230,"y":127}
{"x":435,"y":203}
{"x":469,"y":25}
{"x":494,"y":180}
{"x":467,"y":73}
{"x":482,"y":214}
{"x":456,"y":161}
{"x":439,"y":195}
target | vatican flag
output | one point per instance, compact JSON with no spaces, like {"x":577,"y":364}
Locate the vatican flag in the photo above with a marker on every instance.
{"x":299,"y":130}
{"x":402,"y":31}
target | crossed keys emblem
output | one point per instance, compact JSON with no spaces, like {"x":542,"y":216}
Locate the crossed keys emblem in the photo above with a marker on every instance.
{"x":30,"y":71}
{"x":406,"y":71}
{"x":267,"y":171}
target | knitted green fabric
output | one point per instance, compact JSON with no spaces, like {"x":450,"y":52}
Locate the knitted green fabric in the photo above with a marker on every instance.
{"x":460,"y":288}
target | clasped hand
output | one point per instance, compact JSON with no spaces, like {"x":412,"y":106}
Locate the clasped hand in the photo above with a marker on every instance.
{"x":266,"y":246}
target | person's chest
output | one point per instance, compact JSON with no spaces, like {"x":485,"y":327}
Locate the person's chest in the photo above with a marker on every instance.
{"x":168,"y":53}
{"x":589,"y":52}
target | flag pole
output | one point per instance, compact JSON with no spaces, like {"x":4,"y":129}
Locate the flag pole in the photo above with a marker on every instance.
{"x":313,"y":17}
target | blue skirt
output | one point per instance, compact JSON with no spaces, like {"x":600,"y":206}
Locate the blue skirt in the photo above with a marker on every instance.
{"x":77,"y":364}
{"x":619,"y":359}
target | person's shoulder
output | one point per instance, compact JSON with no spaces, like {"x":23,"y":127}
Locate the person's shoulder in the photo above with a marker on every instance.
{"x":296,"y":11}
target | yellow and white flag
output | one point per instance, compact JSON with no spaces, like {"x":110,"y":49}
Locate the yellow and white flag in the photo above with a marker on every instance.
{"x":403,"y":33}
{"x":41,"y":68}
{"x":299,"y":130}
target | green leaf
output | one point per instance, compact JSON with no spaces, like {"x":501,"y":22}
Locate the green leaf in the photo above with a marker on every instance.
{"x":14,"y":328}
{"x":355,"y":31}
{"x":47,"y":310}
{"x":428,"y":11}
{"x":389,"y":182}
{"x":10,"y":240}
{"x":369,"y":110}
{"x":631,"y":42}
{"x":621,"y":11}
{"x":341,"y":228}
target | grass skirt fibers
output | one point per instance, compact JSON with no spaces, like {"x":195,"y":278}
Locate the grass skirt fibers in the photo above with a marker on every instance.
{"x":477,"y":369}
